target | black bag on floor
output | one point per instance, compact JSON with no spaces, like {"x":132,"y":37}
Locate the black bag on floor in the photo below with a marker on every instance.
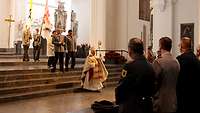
{"x":104,"y":106}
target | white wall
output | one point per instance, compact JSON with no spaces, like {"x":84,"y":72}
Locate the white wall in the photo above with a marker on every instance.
{"x":82,"y":9}
{"x":162,"y":22}
{"x":126,"y":23}
{"x":4,"y":13}
{"x":14,"y":8}
{"x":167,"y":22}
{"x":186,"y":11}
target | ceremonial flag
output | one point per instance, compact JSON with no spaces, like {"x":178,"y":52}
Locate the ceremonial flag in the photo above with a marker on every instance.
{"x":46,"y":14}
{"x":46,"y":25}
{"x":30,"y":9}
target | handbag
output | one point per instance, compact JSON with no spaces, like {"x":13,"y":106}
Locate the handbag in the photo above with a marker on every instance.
{"x":104,"y":106}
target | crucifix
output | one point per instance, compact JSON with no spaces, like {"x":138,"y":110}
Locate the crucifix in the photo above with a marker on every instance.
{"x":9,"y":20}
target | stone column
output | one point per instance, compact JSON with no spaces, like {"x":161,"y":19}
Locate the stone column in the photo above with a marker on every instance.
{"x":97,"y":23}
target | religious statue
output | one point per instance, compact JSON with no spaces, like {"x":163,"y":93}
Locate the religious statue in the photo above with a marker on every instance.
{"x":74,"y":24}
{"x":60,"y":16}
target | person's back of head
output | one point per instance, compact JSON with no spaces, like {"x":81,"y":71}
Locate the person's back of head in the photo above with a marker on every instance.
{"x":185,"y":44}
{"x":135,"y":47}
{"x":54,"y":32}
{"x":165,"y":43}
{"x":69,"y":31}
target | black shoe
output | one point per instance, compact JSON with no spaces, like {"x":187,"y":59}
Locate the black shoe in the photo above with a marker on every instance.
{"x":66,"y":69}
{"x":53,"y":70}
{"x":72,"y":67}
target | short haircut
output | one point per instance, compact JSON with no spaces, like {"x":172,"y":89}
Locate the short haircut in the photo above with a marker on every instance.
{"x":186,"y":43}
{"x":53,"y":32}
{"x":136,"y":46}
{"x":166,"y":43}
{"x":37,"y":30}
{"x":69,"y":31}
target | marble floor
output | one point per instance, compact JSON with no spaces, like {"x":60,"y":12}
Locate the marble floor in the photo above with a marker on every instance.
{"x":78,"y":102}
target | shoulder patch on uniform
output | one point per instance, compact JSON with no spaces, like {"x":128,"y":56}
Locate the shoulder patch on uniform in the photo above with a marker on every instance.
{"x":124,"y":72}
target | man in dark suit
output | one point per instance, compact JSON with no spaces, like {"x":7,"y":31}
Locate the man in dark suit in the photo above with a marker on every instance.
{"x":187,"y":87}
{"x":135,"y":90}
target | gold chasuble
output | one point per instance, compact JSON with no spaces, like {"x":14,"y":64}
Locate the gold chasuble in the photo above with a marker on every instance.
{"x":94,"y":73}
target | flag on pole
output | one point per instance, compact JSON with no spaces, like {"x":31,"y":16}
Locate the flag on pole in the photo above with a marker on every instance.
{"x":46,"y":14}
{"x":46,"y":25}
{"x":30,"y":9}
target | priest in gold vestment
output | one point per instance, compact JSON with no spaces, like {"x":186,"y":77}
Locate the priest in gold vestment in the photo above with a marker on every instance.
{"x":94,"y":73}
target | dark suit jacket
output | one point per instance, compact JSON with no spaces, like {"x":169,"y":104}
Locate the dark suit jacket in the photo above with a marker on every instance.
{"x":136,"y":84}
{"x":188,"y":82}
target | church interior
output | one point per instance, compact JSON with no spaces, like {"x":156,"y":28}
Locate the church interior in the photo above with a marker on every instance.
{"x":106,"y":25}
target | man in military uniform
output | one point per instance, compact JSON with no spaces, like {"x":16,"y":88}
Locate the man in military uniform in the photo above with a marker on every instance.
{"x":59,"y":48}
{"x":36,"y":46}
{"x":26,"y":42}
{"x":70,"y":50}
{"x":135,"y":90}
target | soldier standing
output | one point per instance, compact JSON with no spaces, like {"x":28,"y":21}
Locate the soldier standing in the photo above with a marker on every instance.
{"x":135,"y":90}
{"x":36,"y":46}
{"x":26,"y":42}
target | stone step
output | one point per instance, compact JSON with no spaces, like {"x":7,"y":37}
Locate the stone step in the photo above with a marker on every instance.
{"x":7,"y":53}
{"x":29,"y":82}
{"x":36,"y":75}
{"x":45,"y":80}
{"x":111,"y":84}
{"x":34,"y":94}
{"x":18,"y":61}
{"x":32,"y":70}
{"x":38,"y":68}
{"x":37,"y":87}
{"x":48,"y":92}
{"x":9,"y":77}
{"x":43,"y":62}
{"x":13,"y":55}
{"x":7,"y":49}
{"x":113,"y":78}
